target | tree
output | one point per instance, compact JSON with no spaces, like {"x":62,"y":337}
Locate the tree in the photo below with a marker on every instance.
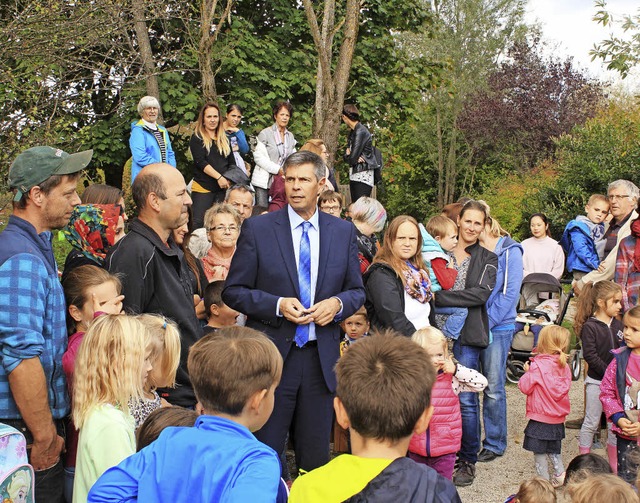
{"x":469,"y":37}
{"x":529,"y":100}
{"x":332,"y":80}
{"x":618,"y":53}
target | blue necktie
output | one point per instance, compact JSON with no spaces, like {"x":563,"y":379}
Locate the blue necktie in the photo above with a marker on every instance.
{"x":304,"y":282}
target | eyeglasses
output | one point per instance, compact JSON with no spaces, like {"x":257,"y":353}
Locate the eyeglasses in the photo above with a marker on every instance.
{"x":224,"y":228}
{"x":330,"y":209}
{"x":616,"y":197}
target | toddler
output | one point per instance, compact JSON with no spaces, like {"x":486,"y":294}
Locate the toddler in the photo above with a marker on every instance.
{"x":546,"y":383}
{"x":583,"y":238}
{"x":535,"y":490}
{"x":354,"y":327}
{"x":439,"y":237}
{"x":437,"y":446}
{"x":164,"y":354}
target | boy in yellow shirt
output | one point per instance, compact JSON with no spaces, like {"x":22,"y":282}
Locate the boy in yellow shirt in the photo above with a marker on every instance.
{"x":383,"y":397}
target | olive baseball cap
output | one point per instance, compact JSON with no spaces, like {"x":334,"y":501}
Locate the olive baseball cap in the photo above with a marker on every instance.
{"x":35,"y":165}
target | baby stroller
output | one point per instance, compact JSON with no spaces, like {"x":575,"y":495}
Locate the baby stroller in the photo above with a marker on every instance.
{"x":542,"y":302}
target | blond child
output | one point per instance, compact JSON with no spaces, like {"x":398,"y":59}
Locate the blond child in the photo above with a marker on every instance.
{"x":88,"y":291}
{"x":535,"y":490}
{"x":111,"y":368}
{"x":583,"y":238}
{"x":383,"y":397}
{"x":439,"y":237}
{"x":354,"y":327}
{"x":437,"y":446}
{"x":234,"y":373}
{"x":596,"y":488}
{"x":163,"y":349}
{"x":546,"y":383}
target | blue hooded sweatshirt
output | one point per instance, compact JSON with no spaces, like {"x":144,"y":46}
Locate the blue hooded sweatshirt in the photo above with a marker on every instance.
{"x":431,"y":249}
{"x":579,"y":246}
{"x":503,"y":301}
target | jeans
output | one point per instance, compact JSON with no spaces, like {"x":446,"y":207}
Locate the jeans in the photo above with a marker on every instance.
{"x":456,"y":316}
{"x":491,"y":361}
{"x":262,"y":197}
{"x":469,"y":356}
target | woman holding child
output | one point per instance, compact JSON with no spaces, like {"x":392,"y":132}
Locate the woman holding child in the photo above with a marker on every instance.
{"x":477,"y":270}
{"x":397,"y":284}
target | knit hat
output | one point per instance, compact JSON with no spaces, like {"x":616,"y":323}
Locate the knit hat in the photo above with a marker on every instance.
{"x":35,"y":165}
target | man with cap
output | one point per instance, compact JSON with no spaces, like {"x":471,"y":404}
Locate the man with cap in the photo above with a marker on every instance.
{"x":33,"y":334}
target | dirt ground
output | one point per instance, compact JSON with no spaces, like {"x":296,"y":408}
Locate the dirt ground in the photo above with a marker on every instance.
{"x":496,"y":480}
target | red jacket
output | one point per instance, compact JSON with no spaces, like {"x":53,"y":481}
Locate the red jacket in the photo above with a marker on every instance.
{"x":546,"y":385}
{"x":445,"y":429}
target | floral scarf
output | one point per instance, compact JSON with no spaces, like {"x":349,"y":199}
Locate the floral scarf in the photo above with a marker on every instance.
{"x":418,"y":284}
{"x":92,"y":229}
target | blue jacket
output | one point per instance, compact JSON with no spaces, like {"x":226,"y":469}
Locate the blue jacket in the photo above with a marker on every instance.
{"x":145,"y":149}
{"x":431,"y":249}
{"x":32,"y":313}
{"x":216,"y":460}
{"x":579,"y":247}
{"x":503,"y":302}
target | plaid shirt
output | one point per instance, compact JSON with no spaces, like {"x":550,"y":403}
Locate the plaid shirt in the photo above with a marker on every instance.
{"x":625,"y":276}
{"x":32,"y":313}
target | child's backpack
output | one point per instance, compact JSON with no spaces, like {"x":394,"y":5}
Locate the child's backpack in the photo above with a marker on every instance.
{"x":16,"y":474}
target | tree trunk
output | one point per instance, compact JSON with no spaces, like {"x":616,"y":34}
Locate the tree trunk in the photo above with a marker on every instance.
{"x":331,"y":87}
{"x":209,"y":31}
{"x":146,"y":54}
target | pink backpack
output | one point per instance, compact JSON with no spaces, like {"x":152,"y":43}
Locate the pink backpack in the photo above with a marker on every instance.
{"x":16,"y":474}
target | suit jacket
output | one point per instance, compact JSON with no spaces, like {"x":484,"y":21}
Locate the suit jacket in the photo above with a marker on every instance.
{"x":264,"y":269}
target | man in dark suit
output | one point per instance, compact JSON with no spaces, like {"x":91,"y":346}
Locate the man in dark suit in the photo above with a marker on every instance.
{"x":295,"y":274}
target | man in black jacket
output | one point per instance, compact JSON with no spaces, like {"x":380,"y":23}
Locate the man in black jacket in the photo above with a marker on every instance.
{"x":155,"y":272}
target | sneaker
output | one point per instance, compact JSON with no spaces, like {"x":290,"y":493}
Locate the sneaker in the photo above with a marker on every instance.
{"x":465,"y":474}
{"x":558,"y":480}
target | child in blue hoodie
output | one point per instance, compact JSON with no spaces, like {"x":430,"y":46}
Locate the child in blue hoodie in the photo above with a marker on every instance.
{"x":439,"y":237}
{"x":583,"y":238}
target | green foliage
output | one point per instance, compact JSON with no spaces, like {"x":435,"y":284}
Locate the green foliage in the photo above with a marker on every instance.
{"x":620,"y":54}
{"x":604,"y":149}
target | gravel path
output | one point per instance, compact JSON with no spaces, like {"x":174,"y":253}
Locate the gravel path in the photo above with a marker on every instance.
{"x":496,"y":480}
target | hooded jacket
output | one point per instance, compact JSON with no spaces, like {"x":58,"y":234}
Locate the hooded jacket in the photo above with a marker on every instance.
{"x":547,"y":385}
{"x":157,"y":280}
{"x":481,"y":279}
{"x":579,"y":247}
{"x":503,"y":302}
{"x":145,"y":149}
{"x":432,"y":251}
{"x":613,"y":389}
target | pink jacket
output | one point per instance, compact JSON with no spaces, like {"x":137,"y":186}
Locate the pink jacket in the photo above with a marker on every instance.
{"x":613,"y":389}
{"x":546,"y":385}
{"x":445,"y":429}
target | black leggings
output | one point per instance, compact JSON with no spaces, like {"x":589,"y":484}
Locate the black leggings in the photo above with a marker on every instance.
{"x":202,"y":201}
{"x":359,"y":189}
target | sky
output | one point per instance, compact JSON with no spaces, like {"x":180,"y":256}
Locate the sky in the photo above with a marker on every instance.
{"x":568,"y":27}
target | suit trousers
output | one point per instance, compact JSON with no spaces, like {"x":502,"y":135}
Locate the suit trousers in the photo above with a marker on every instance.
{"x":303,"y":407}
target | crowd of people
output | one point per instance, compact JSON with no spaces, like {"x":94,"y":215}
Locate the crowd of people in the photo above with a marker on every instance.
{"x":181,"y":353}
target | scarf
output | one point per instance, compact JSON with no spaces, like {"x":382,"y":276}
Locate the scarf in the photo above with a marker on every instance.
{"x":417,"y":285}
{"x":92,"y":229}
{"x":284,"y":145}
{"x":635,"y":232}
{"x":212,"y":260}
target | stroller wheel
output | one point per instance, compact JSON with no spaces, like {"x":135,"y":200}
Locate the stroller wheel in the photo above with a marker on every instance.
{"x":515,"y":370}
{"x":576,"y":364}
